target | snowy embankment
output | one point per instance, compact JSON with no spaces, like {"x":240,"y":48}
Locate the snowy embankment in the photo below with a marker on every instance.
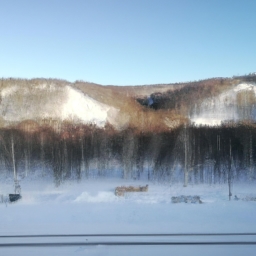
{"x":90,"y":207}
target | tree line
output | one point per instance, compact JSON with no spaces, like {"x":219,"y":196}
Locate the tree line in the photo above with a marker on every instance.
{"x":186,"y":154}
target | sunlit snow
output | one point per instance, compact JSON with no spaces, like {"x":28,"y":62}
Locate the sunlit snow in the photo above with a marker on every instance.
{"x":216,"y":110}
{"x":90,"y":207}
{"x":55,"y":102}
{"x":84,"y":108}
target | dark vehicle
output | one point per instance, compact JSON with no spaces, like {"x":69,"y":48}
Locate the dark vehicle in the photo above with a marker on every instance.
{"x":14,"y":197}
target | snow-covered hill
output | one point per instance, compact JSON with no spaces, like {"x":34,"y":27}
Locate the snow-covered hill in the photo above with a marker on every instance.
{"x":235,"y":104}
{"x":52,"y":101}
{"x":48,"y":100}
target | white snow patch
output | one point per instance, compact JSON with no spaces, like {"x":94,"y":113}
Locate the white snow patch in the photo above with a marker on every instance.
{"x":101,"y":197}
{"x":51,"y":101}
{"x":8,"y":91}
{"x":245,"y":86}
{"x":84,"y":108}
{"x":45,"y":86}
{"x":216,"y":110}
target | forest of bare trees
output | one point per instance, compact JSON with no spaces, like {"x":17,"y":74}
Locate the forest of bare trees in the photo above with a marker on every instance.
{"x":187,"y":154}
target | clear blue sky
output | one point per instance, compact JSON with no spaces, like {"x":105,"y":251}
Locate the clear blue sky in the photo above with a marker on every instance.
{"x":127,"y":42}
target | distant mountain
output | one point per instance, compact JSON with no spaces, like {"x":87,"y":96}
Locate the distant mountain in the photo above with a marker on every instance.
{"x":145,"y":108}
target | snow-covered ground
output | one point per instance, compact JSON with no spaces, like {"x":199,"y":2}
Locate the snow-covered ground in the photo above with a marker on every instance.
{"x":90,"y":207}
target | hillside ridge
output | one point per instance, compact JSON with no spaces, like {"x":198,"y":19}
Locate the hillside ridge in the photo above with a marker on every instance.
{"x":159,"y":107}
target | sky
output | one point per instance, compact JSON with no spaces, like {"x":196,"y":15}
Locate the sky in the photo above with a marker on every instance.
{"x":127,"y":42}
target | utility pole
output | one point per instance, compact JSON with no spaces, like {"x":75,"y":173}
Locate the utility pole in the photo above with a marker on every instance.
{"x":230,"y":171}
{"x":16,"y":182}
{"x":13,"y":160}
{"x":250,"y":155}
{"x":186,"y":157}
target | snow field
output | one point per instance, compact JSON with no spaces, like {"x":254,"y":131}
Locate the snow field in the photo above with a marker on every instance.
{"x":90,"y":207}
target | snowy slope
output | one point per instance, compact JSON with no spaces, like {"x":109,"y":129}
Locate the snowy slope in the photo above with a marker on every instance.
{"x":225,"y":107}
{"x":50,"y":101}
